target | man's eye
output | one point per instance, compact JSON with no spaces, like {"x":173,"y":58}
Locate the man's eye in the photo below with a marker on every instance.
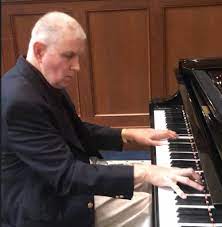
{"x":68,"y":55}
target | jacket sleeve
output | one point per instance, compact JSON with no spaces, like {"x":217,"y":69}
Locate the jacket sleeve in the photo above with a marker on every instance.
{"x":106,"y":138}
{"x":101,"y":137}
{"x":39,"y":145}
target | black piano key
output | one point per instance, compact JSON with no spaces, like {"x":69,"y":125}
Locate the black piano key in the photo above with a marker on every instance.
{"x":180,"y":145}
{"x":181,"y":155}
{"x":193,"y":215}
{"x":186,"y":164}
{"x":174,"y":118}
{"x":194,"y":219}
{"x":175,"y":108}
{"x":181,"y":141}
{"x":193,"y":211}
{"x":217,"y":214}
{"x":179,"y":131}
{"x":185,"y":149}
{"x":179,"y":149}
{"x":177,"y":116}
{"x":175,"y":121}
{"x":176,"y":124}
{"x":173,"y":113}
{"x":176,"y":127}
{"x":193,"y":200}
{"x":188,"y":190}
{"x":185,"y":134}
{"x":182,"y":128}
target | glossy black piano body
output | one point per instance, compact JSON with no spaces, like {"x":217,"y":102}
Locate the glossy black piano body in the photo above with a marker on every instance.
{"x":200,"y":96}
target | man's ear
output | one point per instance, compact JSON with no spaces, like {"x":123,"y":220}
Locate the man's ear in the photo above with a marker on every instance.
{"x":39,"y":50}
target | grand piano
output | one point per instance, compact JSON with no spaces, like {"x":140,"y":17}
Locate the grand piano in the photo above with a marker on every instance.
{"x":195,"y":113}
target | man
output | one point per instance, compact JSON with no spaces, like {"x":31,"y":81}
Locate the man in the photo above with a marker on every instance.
{"x":47,"y":178}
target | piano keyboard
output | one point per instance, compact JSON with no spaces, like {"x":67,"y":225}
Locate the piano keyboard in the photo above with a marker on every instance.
{"x":197,"y":210}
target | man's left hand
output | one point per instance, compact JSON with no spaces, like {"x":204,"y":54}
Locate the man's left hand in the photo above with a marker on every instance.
{"x":147,"y":136}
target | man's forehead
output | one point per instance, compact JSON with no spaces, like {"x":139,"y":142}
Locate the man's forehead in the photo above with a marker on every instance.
{"x":65,"y":39}
{"x":71,"y":46}
{"x":75,"y":33}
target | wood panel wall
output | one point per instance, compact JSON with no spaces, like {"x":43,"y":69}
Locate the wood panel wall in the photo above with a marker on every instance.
{"x":133,"y":48}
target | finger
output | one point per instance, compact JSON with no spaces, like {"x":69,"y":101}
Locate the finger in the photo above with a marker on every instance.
{"x":189,"y":182}
{"x":196,"y":176}
{"x":189,"y":172}
{"x":160,"y":137}
{"x":175,"y":187}
{"x":172,"y":134}
{"x":164,"y":134}
{"x":157,"y":142}
{"x":178,"y":191}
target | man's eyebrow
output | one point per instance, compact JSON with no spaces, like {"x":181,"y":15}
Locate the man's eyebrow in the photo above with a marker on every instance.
{"x":68,"y":53}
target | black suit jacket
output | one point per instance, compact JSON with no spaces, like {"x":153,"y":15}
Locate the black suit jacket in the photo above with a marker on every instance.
{"x":47,"y":180}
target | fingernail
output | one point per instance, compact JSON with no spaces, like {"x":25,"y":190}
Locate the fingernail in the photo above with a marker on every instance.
{"x":201,"y":188}
{"x":184,"y":196}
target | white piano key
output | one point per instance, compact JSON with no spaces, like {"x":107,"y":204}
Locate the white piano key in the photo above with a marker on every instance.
{"x":159,"y":119}
{"x":200,"y":224}
{"x":163,"y":155}
{"x":179,"y":152}
{"x":183,"y":159}
{"x":185,"y":137}
{"x":194,"y":206}
{"x":198,"y":195}
{"x":167,"y":208}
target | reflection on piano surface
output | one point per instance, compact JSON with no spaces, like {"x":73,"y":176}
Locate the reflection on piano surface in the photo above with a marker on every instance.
{"x":195,"y":113}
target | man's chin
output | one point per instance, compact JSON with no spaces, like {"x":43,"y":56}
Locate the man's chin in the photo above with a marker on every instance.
{"x":65,"y":84}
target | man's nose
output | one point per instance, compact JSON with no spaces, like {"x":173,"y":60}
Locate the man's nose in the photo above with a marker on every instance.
{"x":75,"y":65}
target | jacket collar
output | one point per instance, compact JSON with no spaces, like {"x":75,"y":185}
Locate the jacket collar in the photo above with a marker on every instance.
{"x":35,"y":76}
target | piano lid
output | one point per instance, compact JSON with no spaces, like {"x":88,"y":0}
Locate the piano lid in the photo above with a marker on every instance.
{"x":204,"y":78}
{"x":201,"y":63}
{"x":212,"y":91}
{"x":203,"y":81}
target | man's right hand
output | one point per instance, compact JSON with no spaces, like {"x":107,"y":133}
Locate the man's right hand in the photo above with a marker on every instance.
{"x":167,"y":177}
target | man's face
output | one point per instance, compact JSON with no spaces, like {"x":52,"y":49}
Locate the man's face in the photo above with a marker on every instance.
{"x":61,"y":60}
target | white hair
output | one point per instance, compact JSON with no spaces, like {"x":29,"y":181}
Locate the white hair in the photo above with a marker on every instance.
{"x":52,"y":26}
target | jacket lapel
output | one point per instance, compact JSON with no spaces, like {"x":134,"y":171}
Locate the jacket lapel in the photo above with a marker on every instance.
{"x":40,"y":84}
{"x":66,"y":127}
